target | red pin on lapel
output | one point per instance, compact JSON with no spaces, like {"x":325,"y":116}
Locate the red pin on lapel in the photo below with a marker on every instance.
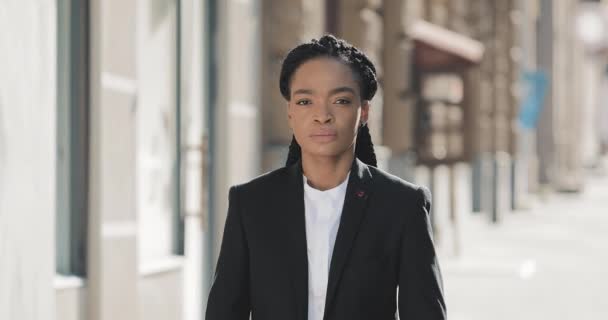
{"x":360,"y":194}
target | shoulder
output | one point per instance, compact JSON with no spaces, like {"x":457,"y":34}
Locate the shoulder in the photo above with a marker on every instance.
{"x":264,"y":183}
{"x":394,"y":186}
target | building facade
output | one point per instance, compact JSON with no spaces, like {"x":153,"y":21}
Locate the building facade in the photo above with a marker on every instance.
{"x":124,"y":124}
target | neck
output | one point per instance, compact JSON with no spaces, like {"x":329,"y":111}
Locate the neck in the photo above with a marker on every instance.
{"x":324,"y":173}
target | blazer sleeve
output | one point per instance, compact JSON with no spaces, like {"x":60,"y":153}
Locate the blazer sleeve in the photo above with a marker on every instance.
{"x":420,"y":282}
{"x":229,"y":297}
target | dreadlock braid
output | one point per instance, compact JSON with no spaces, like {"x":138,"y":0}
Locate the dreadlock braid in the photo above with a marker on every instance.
{"x":364,"y":147}
{"x":294,"y":152}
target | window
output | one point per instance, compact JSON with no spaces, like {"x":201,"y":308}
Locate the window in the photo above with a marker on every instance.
{"x":158,"y":131}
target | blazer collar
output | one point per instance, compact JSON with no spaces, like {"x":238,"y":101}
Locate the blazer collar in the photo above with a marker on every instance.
{"x":359,"y":173}
{"x":358,"y":191}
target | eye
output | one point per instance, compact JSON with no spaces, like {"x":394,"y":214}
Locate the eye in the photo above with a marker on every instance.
{"x":303,"y":102}
{"x":342,"y":101}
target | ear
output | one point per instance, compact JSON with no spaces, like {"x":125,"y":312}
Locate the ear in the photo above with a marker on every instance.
{"x":364,"y":111}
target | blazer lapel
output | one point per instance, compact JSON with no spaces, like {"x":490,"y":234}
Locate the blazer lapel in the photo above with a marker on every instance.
{"x":296,"y":229}
{"x":355,"y":200}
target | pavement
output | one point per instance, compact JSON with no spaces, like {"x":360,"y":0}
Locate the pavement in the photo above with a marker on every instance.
{"x":548,"y":262}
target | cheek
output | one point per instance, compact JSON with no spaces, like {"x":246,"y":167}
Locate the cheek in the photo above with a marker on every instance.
{"x":350,"y":119}
{"x":297,"y":125}
{"x":294,"y":118}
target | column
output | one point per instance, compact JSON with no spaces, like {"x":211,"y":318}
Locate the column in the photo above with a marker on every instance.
{"x":112,"y":277}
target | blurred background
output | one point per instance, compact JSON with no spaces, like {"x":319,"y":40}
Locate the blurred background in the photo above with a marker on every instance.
{"x":124,"y":123}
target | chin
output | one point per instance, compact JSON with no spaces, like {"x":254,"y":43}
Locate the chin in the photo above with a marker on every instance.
{"x":325,"y":150}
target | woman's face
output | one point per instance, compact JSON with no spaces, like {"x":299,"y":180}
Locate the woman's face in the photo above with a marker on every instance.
{"x":325,"y":107}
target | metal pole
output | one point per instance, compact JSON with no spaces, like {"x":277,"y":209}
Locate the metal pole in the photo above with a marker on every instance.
{"x":454,"y":211}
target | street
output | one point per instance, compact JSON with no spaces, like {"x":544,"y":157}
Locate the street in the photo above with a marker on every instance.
{"x":549,"y":262}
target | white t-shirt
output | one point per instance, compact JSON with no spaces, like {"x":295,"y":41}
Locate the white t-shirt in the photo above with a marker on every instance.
{"x":323,"y":210}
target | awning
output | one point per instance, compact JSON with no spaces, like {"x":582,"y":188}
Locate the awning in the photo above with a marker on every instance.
{"x":440,"y":48}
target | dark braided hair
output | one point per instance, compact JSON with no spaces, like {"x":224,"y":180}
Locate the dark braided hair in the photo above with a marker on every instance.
{"x":365,"y":74}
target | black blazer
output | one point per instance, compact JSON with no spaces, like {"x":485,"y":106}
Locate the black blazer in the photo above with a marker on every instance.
{"x":384,"y":241}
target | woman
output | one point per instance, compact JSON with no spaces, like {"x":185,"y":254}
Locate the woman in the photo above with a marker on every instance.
{"x":329,"y":236}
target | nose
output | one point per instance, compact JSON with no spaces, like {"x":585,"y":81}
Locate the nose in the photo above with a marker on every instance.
{"x":323,"y":114}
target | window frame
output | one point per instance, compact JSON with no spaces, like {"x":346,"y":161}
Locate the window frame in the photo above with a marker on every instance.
{"x":72,"y":157}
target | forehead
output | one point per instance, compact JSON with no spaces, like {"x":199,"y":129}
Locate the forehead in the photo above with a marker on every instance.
{"x":323,"y":74}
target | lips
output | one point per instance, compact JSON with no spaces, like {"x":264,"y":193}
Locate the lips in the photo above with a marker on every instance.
{"x":324,"y":133}
{"x":324,"y":136}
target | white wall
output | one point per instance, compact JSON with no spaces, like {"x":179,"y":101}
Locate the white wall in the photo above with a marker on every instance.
{"x":27,"y":158}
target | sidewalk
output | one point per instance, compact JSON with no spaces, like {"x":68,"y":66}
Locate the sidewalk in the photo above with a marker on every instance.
{"x":550,"y":262}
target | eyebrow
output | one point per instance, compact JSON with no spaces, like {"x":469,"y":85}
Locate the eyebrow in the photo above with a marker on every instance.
{"x":302,"y":91}
{"x":342,"y":89}
{"x":332,"y":91}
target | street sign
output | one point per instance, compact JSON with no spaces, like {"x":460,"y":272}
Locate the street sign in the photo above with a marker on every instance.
{"x":535,"y":88}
